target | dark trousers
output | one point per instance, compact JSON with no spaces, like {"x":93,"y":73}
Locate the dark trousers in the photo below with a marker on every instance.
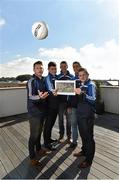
{"x":36,"y":126}
{"x":49,"y":123}
{"x":62,"y":112}
{"x":85,"y":117}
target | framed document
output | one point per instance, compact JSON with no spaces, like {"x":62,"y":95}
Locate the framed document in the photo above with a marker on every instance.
{"x":65,"y":87}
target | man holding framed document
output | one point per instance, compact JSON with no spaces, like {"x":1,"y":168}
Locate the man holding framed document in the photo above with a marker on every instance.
{"x":63,"y":90}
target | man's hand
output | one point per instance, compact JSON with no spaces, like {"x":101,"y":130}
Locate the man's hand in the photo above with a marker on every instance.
{"x":69,"y":110}
{"x":43,"y":95}
{"x":78,"y":91}
{"x":40,"y":93}
{"x":55,"y":92}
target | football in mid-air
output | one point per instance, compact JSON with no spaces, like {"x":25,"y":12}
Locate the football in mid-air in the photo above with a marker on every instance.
{"x":40,"y":30}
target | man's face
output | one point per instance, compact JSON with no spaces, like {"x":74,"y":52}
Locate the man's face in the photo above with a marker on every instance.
{"x":38,"y":70}
{"x":76,"y":68}
{"x":63,"y":67}
{"x":83,"y":76}
{"x":52,"y":70}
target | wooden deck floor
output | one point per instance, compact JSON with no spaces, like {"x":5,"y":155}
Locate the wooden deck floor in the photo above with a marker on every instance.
{"x":60,"y":164}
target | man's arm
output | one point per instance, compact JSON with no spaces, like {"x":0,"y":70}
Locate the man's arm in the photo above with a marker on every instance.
{"x":91,"y":94}
{"x":49,"y":85}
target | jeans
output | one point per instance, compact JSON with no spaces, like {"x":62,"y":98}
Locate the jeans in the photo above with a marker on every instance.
{"x":62,"y":112}
{"x":74,"y":124}
{"x":36,"y":126}
{"x":85,"y":119}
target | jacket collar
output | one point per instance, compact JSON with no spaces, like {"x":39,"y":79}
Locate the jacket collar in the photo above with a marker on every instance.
{"x":36,"y":77}
{"x":68,"y":73}
{"x":87,"y":82}
{"x":52,"y":76}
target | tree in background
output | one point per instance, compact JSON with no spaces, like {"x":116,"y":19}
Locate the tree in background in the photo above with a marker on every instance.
{"x":7,"y":79}
{"x":24,"y":77}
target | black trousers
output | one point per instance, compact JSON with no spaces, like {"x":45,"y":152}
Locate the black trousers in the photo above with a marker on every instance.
{"x":85,"y":118}
{"x":49,"y":123}
{"x":36,"y":127}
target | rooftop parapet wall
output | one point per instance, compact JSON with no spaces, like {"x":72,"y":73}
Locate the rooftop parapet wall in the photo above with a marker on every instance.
{"x":13,"y":101}
{"x":110,"y":96}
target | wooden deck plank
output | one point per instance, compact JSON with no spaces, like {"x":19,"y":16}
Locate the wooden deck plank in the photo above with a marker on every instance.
{"x":108,"y":141}
{"x":8,"y":166}
{"x":2,"y":170}
{"x":21,"y":146}
{"x":107,"y":162}
{"x":103,"y":148}
{"x":60,"y":163}
{"x":23,"y":168}
{"x":106,"y":165}
{"x":106,"y":145}
{"x":13,"y":146}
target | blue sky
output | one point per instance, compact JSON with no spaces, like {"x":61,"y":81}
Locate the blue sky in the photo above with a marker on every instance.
{"x":72,"y":23}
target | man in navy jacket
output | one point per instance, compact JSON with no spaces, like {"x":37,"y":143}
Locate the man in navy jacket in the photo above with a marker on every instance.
{"x":85,"y":117}
{"x":53,"y":105}
{"x":37,"y":106}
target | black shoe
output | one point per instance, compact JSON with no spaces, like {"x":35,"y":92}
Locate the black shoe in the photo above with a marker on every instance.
{"x":84,"y":164}
{"x":73,"y":145}
{"x":53,"y":140}
{"x":50,"y":147}
{"x":78,"y":154}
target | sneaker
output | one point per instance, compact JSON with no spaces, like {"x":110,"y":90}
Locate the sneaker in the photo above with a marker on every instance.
{"x":50,"y":147}
{"x":73,"y":145}
{"x":34,"y":162}
{"x":53,"y":140}
{"x":78,"y":154}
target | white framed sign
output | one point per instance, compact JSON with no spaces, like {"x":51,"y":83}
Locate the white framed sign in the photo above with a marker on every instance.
{"x":65,"y":87}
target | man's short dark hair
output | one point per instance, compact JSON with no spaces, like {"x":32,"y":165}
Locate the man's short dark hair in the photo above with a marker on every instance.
{"x":63,"y":62}
{"x":51,"y":64}
{"x":37,"y":62}
{"x":83,"y":69}
{"x":76,"y":62}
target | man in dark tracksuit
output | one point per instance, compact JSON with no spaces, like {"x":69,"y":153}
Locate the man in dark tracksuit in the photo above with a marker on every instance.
{"x":85,"y":117}
{"x":53,"y":105}
{"x":37,"y":107}
{"x":64,"y":75}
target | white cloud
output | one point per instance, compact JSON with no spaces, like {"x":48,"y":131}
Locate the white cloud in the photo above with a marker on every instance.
{"x":17,"y":67}
{"x":2,"y":22}
{"x":102,"y":62}
{"x":59,"y":53}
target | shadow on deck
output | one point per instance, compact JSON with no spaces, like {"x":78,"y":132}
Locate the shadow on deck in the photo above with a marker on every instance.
{"x":59,"y":164}
{"x":108,"y":121}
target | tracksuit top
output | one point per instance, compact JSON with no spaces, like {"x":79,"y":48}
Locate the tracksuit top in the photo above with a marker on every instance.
{"x":89,"y":96}
{"x":53,"y":101}
{"x":35,"y":105}
{"x":90,"y":92}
